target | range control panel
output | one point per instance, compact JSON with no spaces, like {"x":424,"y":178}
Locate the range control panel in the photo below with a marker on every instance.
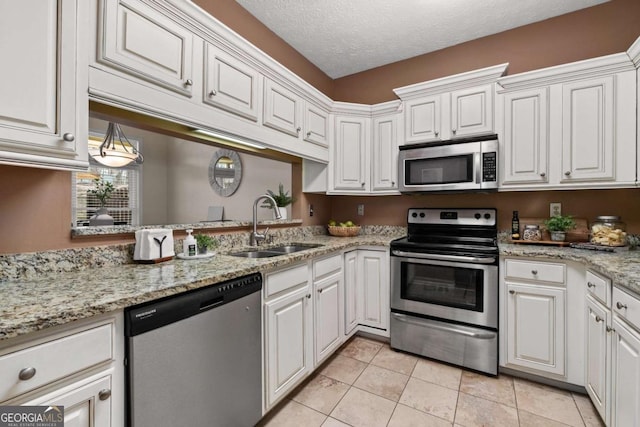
{"x":459,"y":216}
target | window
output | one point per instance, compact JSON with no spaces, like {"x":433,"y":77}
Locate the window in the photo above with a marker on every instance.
{"x":123,"y":205}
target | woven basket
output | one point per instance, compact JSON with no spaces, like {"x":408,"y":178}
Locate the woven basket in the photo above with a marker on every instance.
{"x":334,"y":230}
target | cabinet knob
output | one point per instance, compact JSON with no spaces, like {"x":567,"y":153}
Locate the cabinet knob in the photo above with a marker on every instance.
{"x":591,"y":285}
{"x":512,"y":291}
{"x":567,"y":173}
{"x":298,"y":129}
{"x":610,"y":329}
{"x":393,"y":183}
{"x":308,"y":296}
{"x":534,"y":272}
{"x":542,"y":174}
{"x":308,"y":134}
{"x":319,"y":291}
{"x":362,"y":184}
{"x":27,"y":373}
{"x":599,"y":319}
{"x":453,"y":131}
{"x":188,"y":82}
{"x":437,"y":133}
{"x":213,"y":92}
{"x":620,"y":305}
{"x":104,"y":394}
{"x":68,"y":137}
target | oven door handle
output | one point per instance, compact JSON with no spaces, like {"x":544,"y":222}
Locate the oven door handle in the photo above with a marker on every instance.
{"x":440,"y":257}
{"x":448,"y":328}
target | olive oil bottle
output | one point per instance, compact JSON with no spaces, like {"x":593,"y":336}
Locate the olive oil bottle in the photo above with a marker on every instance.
{"x":515,"y":226}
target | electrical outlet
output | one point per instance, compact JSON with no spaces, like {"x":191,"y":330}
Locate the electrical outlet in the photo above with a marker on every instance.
{"x":310,"y":209}
{"x":555,"y":209}
{"x":361,"y":210}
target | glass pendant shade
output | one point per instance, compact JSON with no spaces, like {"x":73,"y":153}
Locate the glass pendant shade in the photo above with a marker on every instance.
{"x":116,"y":151}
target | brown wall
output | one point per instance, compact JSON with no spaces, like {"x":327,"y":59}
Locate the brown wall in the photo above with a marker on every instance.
{"x":392,"y":210}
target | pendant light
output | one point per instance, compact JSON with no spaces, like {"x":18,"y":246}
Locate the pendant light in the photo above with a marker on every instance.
{"x":116,"y":151}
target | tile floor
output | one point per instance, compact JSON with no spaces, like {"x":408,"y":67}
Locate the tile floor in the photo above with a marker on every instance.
{"x":367,"y":384}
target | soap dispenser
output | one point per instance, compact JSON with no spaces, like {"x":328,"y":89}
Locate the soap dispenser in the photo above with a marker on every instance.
{"x":189,"y":245}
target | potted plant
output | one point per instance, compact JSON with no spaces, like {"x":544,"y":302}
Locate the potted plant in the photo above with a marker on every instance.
{"x":282,"y":198}
{"x":205,"y":243}
{"x":558,"y":226}
{"x":102,"y":191}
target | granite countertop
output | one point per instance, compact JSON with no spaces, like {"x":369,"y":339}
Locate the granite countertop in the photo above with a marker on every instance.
{"x":58,"y":298}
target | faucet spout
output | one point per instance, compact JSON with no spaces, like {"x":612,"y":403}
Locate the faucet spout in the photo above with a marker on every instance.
{"x":256,"y":237}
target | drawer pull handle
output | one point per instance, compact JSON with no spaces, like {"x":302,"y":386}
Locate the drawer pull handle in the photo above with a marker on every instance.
{"x":610,"y":329}
{"x":621,"y":306}
{"x":27,"y":373}
{"x":591,"y":285}
{"x":104,"y":394}
{"x":599,"y":319}
{"x":534,"y":272}
{"x":512,"y":292}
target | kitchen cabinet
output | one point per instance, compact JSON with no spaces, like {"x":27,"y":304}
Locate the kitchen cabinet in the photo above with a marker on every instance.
{"x":350,"y":291}
{"x":350,"y":157}
{"x":384,"y":150}
{"x":44,"y":108}
{"x":317,"y":125}
{"x":146,"y":44}
{"x":598,"y":355}
{"x":569,"y":126}
{"x":288,"y":331}
{"x":282,"y":109}
{"x":230,"y":84}
{"x":328,"y":306}
{"x":450,"y":107}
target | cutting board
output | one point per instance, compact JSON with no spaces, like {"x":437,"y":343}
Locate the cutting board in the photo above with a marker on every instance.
{"x":578,"y":234}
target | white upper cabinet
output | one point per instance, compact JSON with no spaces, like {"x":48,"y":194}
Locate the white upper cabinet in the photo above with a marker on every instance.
{"x":317,"y":125}
{"x":142,"y":42}
{"x":230,"y":84}
{"x":569,"y":126}
{"x":282,"y":109}
{"x":384,"y":150}
{"x":350,"y":163}
{"x":451,"y":107}
{"x":43,"y":112}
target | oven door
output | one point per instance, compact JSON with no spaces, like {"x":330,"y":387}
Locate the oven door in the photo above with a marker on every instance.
{"x":458,"y":288}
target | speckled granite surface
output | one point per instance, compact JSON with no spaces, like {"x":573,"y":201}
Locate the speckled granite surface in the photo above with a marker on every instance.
{"x":49,"y":299}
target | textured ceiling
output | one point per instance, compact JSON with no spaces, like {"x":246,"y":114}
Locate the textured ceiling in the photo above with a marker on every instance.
{"x":343,"y":37}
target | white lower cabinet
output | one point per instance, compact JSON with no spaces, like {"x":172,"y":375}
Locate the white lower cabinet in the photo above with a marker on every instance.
{"x":625,"y":396}
{"x":598,"y":355}
{"x":328,"y":314}
{"x":350,"y":291}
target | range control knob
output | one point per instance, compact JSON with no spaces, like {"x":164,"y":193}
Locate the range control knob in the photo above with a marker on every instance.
{"x":477,"y":216}
{"x":415,"y":215}
{"x":421,"y":214}
{"x":487,"y":216}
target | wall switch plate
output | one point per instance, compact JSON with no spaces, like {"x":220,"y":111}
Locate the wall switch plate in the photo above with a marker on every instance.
{"x":310,"y":209}
{"x":555,"y":209}
{"x":361,"y":210}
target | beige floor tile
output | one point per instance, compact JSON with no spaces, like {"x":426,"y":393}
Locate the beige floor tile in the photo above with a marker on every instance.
{"x":438,"y":373}
{"x":344,"y":369}
{"x":362,"y":349}
{"x":588,"y":412}
{"x":499,"y":389}
{"x":382,"y":382}
{"x":430,"y":398}
{"x":404,"y":416}
{"x":361,"y":408}
{"x":395,"y":360}
{"x":294,"y":414}
{"x":530,"y":420}
{"x":321,"y":393}
{"x":547,"y":402}
{"x":476,"y":412}
{"x":332,"y":422}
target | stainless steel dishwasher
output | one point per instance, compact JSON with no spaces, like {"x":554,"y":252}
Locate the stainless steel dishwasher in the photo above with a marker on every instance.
{"x":194,"y":359}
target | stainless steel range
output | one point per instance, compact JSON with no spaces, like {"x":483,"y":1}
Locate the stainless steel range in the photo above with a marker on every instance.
{"x":444,"y":287}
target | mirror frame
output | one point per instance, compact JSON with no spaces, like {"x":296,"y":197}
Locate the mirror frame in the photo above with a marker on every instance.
{"x":237,"y":166}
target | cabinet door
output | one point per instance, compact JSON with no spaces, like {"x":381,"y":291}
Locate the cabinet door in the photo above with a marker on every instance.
{"x":472,"y":111}
{"x":328,"y":316}
{"x":598,"y":346}
{"x":588,"y":149}
{"x":350,"y":270}
{"x":373,"y":284}
{"x":282,"y":109}
{"x":230,"y":84}
{"x":351,"y":160}
{"x":288,"y":342}
{"x":316,"y":125}
{"x":536,"y":327}
{"x":422,"y":118}
{"x":384,"y":153}
{"x":625,"y":399}
{"x":85,"y":404}
{"x":42,"y":92}
{"x":526,"y":136}
{"x":146,"y":44}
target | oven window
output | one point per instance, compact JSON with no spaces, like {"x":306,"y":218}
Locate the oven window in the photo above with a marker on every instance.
{"x":439,"y":170}
{"x":448,"y":286}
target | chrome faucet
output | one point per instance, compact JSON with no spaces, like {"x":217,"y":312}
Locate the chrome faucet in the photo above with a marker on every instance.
{"x":256,"y":237}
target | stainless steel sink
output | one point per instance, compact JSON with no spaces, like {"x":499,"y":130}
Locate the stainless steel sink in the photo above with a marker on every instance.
{"x":255,"y":254}
{"x":275,"y":251}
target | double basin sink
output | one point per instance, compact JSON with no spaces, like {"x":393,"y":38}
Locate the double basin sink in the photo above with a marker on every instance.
{"x":275,"y":251}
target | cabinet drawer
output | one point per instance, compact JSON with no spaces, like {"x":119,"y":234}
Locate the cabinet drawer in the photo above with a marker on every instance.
{"x":326,"y":266}
{"x":599,"y":287}
{"x":285,"y":279}
{"x":54,"y":360}
{"x":627,"y":306}
{"x":535,"y":270}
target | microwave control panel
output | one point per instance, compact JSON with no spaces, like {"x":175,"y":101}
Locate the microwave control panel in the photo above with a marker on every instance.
{"x":489,"y":167}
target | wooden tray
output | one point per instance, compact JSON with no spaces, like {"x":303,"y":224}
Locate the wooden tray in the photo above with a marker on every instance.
{"x":541,"y":242}
{"x":578,"y":234}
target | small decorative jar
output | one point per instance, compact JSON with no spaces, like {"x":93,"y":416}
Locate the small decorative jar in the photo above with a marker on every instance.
{"x":609,"y":230}
{"x":531,"y":232}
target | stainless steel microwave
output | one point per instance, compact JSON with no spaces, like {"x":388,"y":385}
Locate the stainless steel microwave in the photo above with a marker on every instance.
{"x":465,"y":164}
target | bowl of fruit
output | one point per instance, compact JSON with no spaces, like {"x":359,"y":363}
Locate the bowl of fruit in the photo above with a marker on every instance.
{"x":343,"y":229}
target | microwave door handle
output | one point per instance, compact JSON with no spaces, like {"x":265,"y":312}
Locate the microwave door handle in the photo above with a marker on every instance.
{"x":477,"y":167}
{"x":444,"y":328}
{"x":439,"y":257}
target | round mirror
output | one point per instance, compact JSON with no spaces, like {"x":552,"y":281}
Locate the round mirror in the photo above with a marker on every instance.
{"x":225,"y":172}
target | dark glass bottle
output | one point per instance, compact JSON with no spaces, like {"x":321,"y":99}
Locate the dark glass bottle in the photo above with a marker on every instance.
{"x":515,"y":226}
